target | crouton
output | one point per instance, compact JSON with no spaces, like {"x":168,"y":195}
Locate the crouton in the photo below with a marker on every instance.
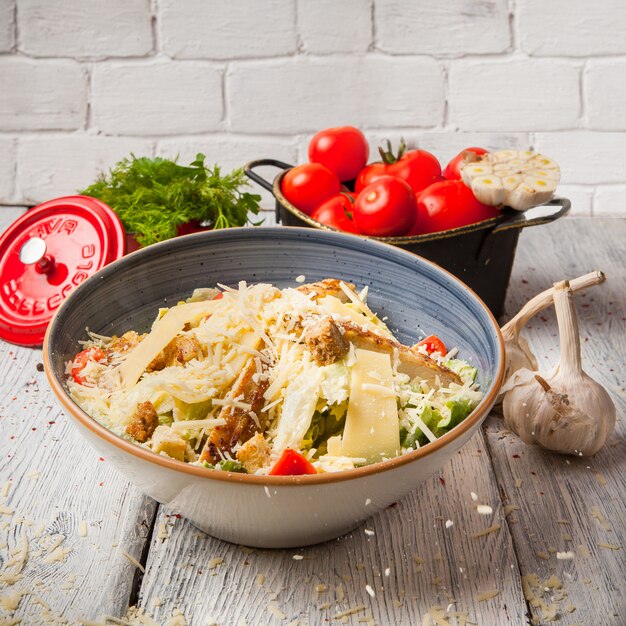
{"x":325,"y":341}
{"x":166,"y":441}
{"x":143,"y":422}
{"x":254,"y":454}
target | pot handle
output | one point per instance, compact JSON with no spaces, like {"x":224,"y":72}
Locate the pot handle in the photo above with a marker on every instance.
{"x":519,"y":219}
{"x":266,"y":184}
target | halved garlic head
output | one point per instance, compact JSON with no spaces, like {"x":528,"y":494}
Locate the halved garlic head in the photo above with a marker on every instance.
{"x":520,"y":179}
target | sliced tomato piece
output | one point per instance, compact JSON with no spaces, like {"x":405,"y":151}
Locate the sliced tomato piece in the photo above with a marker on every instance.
{"x":292,"y":463}
{"x":81,"y":360}
{"x":433,"y":344}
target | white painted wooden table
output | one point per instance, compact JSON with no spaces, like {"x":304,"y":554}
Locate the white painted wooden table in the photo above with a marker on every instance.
{"x":71,"y":528}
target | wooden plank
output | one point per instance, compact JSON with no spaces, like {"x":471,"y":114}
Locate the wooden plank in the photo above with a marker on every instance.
{"x":55,"y":490}
{"x":428,"y":563}
{"x":569,"y":504}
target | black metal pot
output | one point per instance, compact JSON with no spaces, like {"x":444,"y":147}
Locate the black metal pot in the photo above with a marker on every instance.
{"x":481,"y":254}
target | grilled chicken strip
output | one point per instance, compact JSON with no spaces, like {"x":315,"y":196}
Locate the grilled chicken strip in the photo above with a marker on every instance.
{"x":413,"y":363}
{"x":240,"y":425}
{"x":327,"y":287}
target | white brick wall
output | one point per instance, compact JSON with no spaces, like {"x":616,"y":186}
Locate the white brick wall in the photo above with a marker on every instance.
{"x":85,"y":82}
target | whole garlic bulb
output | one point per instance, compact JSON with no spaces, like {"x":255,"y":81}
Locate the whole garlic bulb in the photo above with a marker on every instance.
{"x":517,"y":350}
{"x":566,"y":410}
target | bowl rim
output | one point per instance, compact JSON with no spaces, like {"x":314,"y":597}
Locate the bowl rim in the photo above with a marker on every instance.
{"x":91,"y":424}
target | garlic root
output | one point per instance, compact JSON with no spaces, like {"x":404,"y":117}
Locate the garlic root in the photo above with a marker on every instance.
{"x":566,"y":410}
{"x":517,"y":351}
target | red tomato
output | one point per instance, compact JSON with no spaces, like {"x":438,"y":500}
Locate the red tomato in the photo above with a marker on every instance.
{"x":81,"y":360}
{"x":452,"y":171}
{"x":307,"y":186}
{"x":433,"y":344}
{"x":386,"y":208}
{"x":369,"y":174}
{"x":417,"y":167}
{"x":343,"y":150}
{"x":292,"y":463}
{"x":449,"y":204}
{"x":337,"y":212}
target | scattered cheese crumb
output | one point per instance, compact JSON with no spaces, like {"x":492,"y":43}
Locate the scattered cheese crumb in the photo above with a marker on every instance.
{"x":297,"y":557}
{"x":449,"y":523}
{"x":369,"y":532}
{"x":301,"y":278}
{"x":370,"y":591}
{"x":6,"y":488}
{"x":487,"y":531}
{"x":487,"y":595}
{"x":368,"y":502}
{"x":134,"y":561}
{"x":275,"y":611}
{"x":59,"y":554}
{"x":564,"y":556}
{"x":474,"y":496}
{"x":215,"y":562}
{"x":162,"y":533}
{"x":351,"y":611}
{"x":387,"y":571}
{"x":260,"y":580}
{"x":484,"y":509}
{"x":82,"y":528}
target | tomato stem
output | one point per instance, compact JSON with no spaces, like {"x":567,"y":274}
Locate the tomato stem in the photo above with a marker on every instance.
{"x":388,"y":156}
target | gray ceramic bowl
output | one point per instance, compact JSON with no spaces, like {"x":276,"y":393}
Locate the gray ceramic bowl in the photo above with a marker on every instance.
{"x":273,"y":511}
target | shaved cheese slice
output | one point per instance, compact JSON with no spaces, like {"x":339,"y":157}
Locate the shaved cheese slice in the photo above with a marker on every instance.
{"x":333,"y":446}
{"x":334,"y":306}
{"x":301,"y":397}
{"x":372,"y":427}
{"x":163,"y":331}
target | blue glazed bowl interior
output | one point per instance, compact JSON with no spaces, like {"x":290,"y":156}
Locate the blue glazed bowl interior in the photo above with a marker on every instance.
{"x":415,"y":297}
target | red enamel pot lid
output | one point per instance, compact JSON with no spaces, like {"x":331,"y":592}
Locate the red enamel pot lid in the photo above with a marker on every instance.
{"x":47,"y":252}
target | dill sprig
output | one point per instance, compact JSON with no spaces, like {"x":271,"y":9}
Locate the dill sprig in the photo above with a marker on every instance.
{"x":153,"y":197}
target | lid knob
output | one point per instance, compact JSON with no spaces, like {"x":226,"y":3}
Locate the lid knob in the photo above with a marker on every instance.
{"x":34,"y":251}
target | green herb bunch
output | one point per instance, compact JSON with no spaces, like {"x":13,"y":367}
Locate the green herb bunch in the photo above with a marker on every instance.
{"x":153,"y":197}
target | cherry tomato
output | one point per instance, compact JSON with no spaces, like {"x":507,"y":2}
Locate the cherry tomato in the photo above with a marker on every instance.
{"x":369,"y":174}
{"x":337,"y":212}
{"x":452,"y":171}
{"x":292,"y":463}
{"x":449,"y":204}
{"x":307,"y":186}
{"x":81,"y":360}
{"x":343,"y":150}
{"x":386,"y":208}
{"x":433,"y":344}
{"x":418,"y":168}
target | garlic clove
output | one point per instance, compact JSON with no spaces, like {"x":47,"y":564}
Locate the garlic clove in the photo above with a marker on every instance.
{"x":488,"y":189}
{"x":471,"y":171}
